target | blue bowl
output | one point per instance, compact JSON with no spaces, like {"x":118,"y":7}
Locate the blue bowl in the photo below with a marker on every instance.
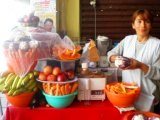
{"x":60,"y":101}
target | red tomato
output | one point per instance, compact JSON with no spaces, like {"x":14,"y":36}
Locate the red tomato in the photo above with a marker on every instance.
{"x":42,"y":76}
{"x":51,"y":77}
{"x":56,"y":71}
{"x":61,"y":77}
{"x":47,"y":70}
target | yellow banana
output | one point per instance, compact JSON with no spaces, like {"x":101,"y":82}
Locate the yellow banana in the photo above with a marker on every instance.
{"x":2,"y":80}
{"x":10,"y":92}
{"x":8,"y":77}
{"x":15,"y":82}
{"x":31,"y":75}
{"x":19,"y":84}
{"x":32,"y":86}
{"x":10,"y":81}
{"x":19,"y":91}
{"x":32,"y":81}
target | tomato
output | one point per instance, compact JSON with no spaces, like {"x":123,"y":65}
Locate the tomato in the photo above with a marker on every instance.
{"x":51,"y":77}
{"x":42,"y":76}
{"x":56,"y":71}
{"x":61,"y":77}
{"x":47,"y":70}
{"x":70,"y":74}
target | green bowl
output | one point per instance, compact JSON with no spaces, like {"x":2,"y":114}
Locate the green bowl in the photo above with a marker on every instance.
{"x":60,"y":101}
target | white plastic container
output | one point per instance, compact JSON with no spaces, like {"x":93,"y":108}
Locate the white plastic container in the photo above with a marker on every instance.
{"x":91,"y":88}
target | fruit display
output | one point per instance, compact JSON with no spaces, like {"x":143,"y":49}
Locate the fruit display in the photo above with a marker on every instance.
{"x":12,"y":84}
{"x":57,"y":82}
{"x":55,"y":74}
{"x":21,"y":52}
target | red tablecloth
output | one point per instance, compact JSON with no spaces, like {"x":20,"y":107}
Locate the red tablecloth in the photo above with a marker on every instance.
{"x":96,"y":110}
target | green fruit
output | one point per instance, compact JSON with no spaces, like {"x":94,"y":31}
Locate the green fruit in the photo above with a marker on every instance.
{"x":36,"y":73}
{"x":31,"y":75}
{"x":8,"y":84}
{"x":15,"y":82}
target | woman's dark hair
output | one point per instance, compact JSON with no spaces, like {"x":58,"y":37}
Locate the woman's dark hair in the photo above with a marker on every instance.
{"x":144,"y":14}
{"x":48,"y":20}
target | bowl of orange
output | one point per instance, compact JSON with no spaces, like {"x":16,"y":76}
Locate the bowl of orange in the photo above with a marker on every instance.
{"x":21,"y":100}
{"x":122,"y":94}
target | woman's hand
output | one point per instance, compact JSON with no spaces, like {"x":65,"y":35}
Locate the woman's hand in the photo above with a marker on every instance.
{"x":135,"y":64}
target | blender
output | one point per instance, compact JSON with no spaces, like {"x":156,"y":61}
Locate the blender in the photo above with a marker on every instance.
{"x":104,"y":44}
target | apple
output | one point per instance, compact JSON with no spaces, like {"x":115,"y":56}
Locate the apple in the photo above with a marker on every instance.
{"x":61,"y":77}
{"x":56,"y":71}
{"x":47,"y":70}
{"x":42,"y":76}
{"x":70,"y":74}
{"x":51,"y":77}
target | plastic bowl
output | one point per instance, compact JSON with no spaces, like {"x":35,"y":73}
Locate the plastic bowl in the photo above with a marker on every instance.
{"x":21,"y":100}
{"x":122,"y":100}
{"x":129,"y":115}
{"x":60,"y":101}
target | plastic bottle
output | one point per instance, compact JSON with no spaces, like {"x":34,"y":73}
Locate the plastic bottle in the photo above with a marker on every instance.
{"x":84,"y":70}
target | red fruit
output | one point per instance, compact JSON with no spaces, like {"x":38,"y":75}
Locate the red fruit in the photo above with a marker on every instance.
{"x":70,"y":74}
{"x":47,"y":70}
{"x":51,"y":77}
{"x":42,"y":76}
{"x":61,"y":77}
{"x":56,"y":71}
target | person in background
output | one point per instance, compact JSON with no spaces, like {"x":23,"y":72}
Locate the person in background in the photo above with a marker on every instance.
{"x":48,"y":25}
{"x":143,"y":53}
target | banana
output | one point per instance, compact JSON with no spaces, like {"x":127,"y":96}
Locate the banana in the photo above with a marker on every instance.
{"x":19,"y":84}
{"x":25,"y":79}
{"x":36,"y":73}
{"x":19,"y":91}
{"x":15,"y":82}
{"x":1,"y":87}
{"x":10,"y":81}
{"x":32,"y":86}
{"x":5,"y":90}
{"x":8,"y":77}
{"x":31,"y":75}
{"x":10,"y":92}
{"x":2,"y":80}
{"x":32,"y":81}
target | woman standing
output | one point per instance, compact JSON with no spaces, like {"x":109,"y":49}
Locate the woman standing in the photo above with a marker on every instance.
{"x":144,"y":53}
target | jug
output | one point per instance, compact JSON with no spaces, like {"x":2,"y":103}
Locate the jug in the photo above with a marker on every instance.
{"x":104,"y":44}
